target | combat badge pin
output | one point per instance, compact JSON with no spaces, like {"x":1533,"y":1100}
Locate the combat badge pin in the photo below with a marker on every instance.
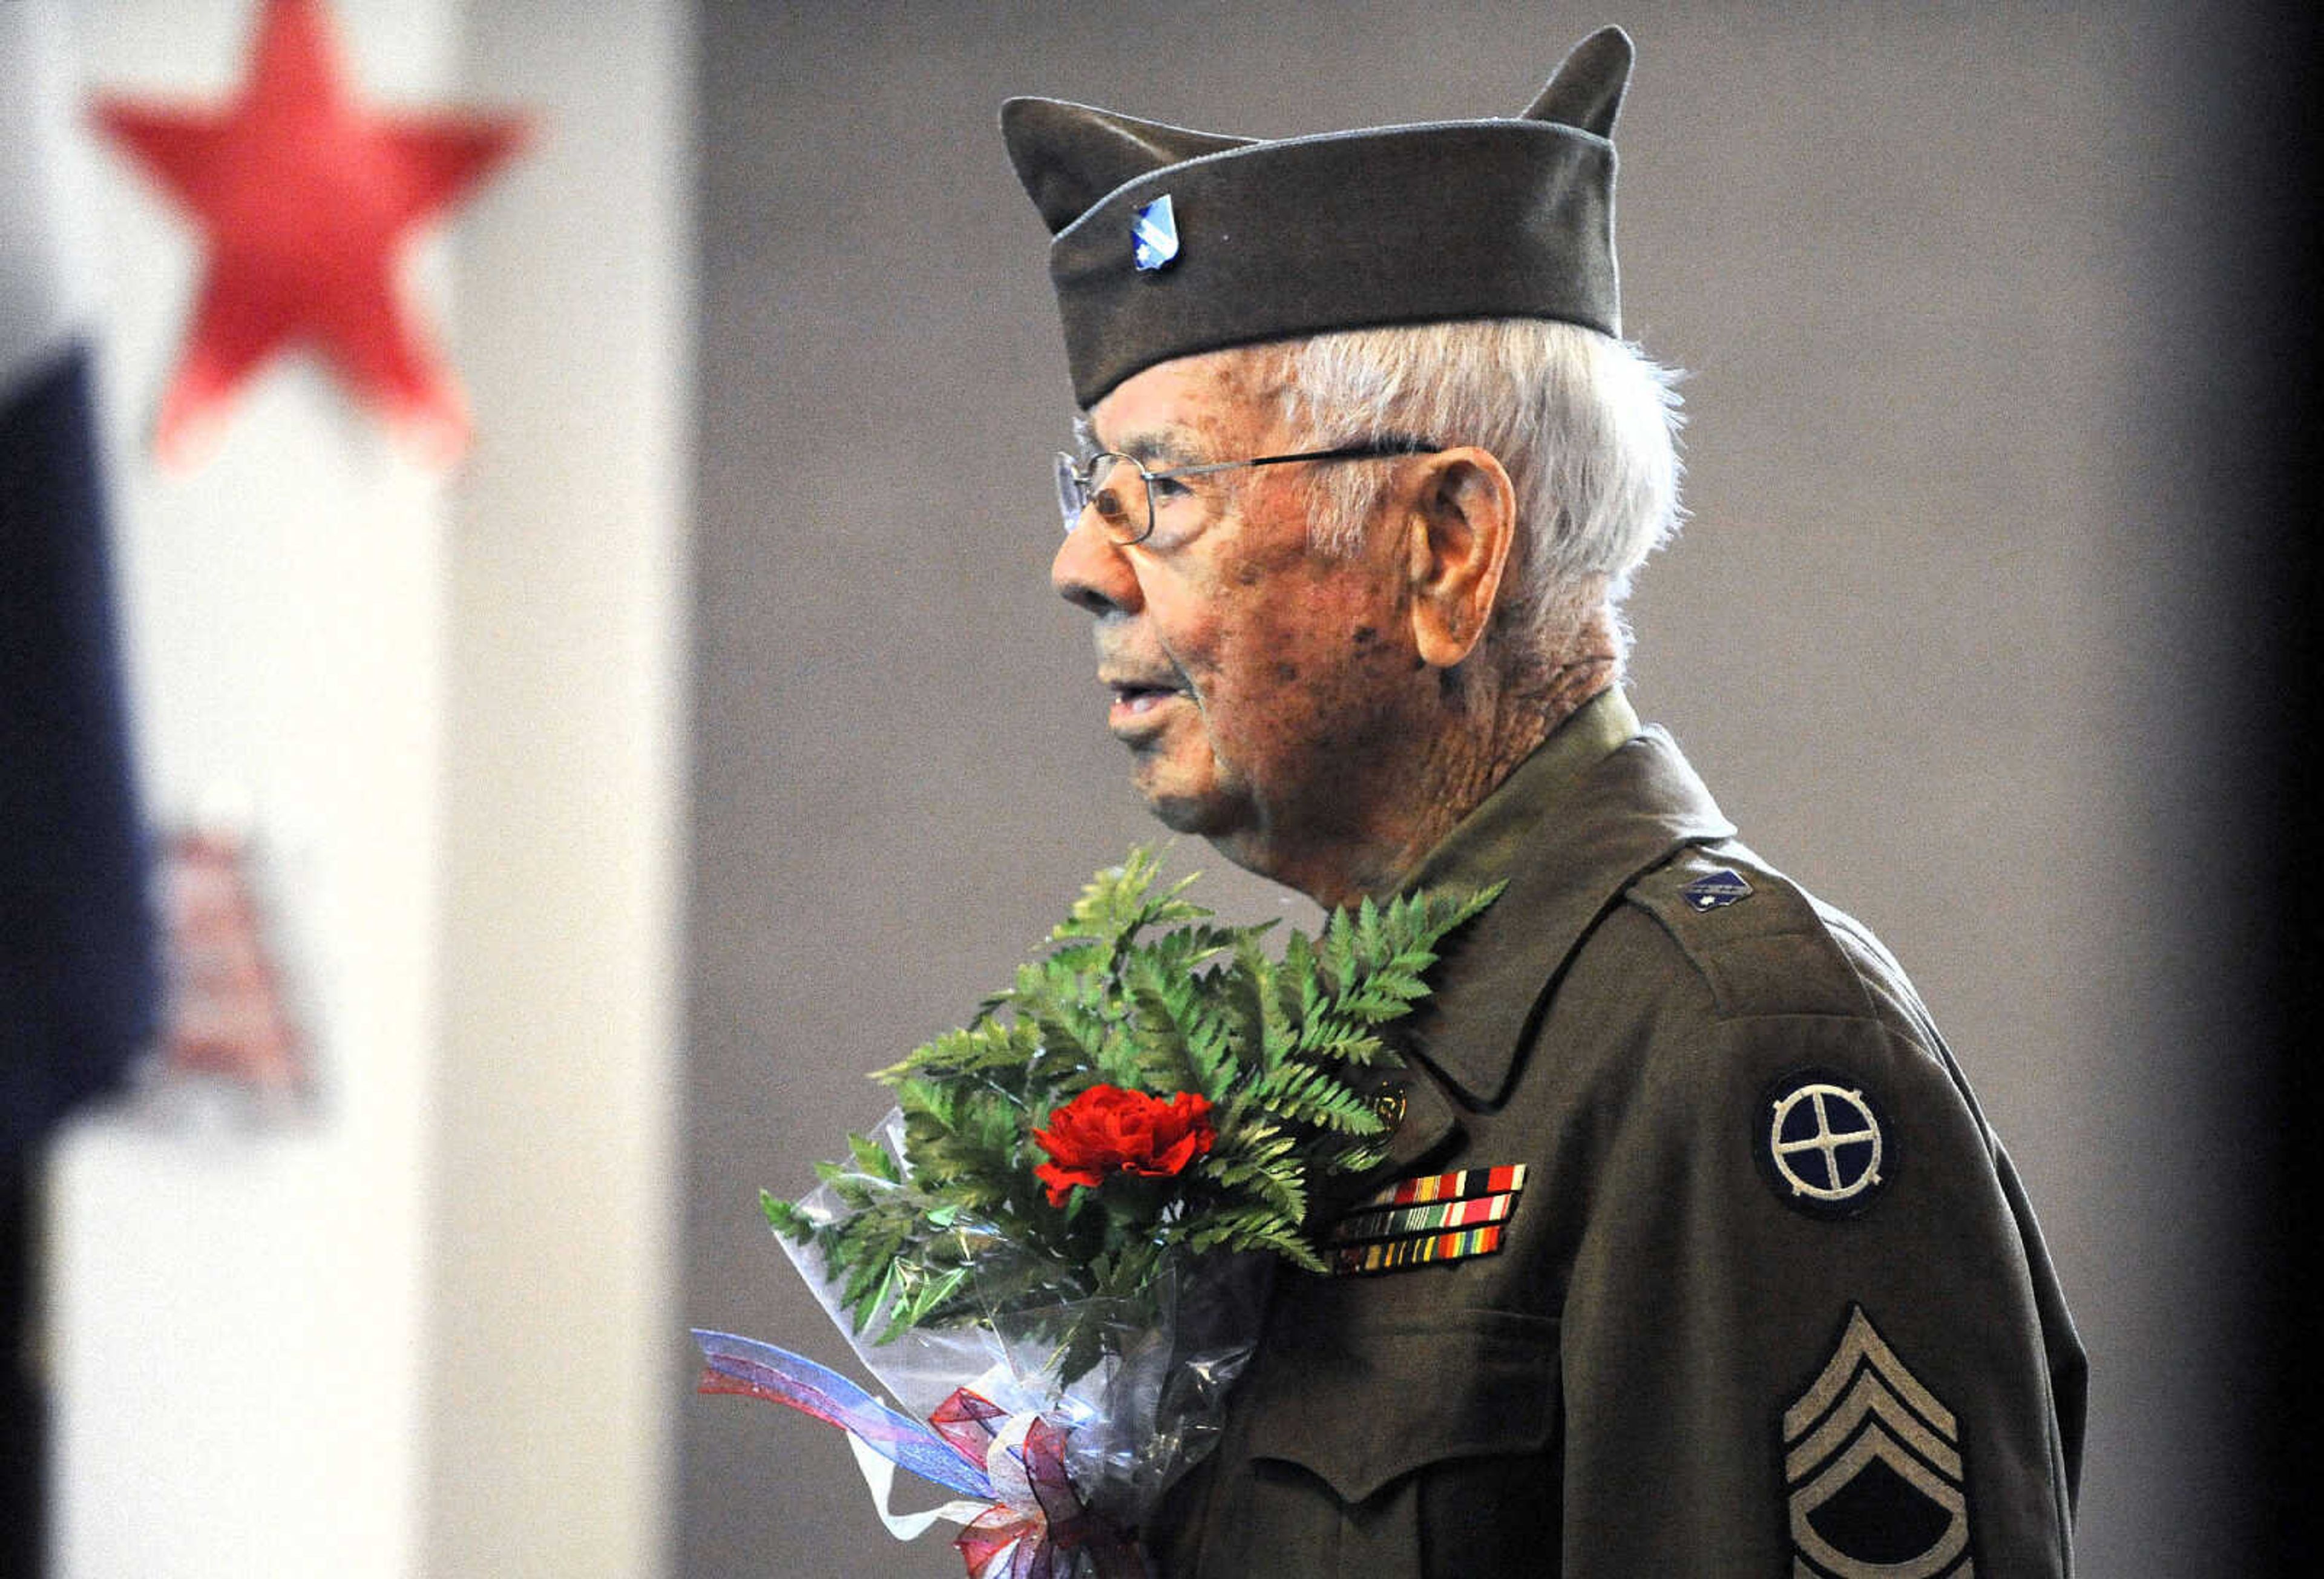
{"x":1821,"y":1146}
{"x":1872,"y":1468}
{"x":1720,"y":888}
{"x":1154,"y":235}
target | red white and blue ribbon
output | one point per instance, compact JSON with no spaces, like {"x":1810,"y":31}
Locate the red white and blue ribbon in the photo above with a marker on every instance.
{"x":1027,"y":1521}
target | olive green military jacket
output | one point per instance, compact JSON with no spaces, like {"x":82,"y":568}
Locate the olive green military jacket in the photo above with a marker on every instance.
{"x":1767,"y":1298}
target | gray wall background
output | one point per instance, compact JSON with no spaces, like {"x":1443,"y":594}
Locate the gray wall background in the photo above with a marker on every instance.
{"x":1955,"y":632}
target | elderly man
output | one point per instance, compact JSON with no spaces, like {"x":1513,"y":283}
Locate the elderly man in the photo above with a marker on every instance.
{"x":1694,"y":1255}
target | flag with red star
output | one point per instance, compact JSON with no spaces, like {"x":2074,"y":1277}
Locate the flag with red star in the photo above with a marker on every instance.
{"x":308,"y":201}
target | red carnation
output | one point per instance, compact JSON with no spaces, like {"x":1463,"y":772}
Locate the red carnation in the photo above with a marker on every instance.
{"x":1107,"y":1131}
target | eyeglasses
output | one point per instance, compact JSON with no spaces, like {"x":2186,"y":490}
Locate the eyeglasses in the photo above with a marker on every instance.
{"x":1100,"y":483}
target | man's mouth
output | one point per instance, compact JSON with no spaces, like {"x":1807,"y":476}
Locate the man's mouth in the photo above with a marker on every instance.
{"x":1137,"y":706}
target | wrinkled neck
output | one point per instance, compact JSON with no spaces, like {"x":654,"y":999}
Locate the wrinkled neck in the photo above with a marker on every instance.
{"x":1393,"y":808}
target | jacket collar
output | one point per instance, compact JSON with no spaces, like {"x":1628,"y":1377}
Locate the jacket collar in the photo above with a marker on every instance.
{"x":1602,"y":801}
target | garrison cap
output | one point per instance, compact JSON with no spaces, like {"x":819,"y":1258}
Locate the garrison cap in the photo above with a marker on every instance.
{"x":1168,"y":242}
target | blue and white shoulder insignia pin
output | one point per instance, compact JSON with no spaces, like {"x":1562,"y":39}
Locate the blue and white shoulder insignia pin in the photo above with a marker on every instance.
{"x":1821,"y":1144}
{"x":1720,"y":888}
{"x":1154,"y":235}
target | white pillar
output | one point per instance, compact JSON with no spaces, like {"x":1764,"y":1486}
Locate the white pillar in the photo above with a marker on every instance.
{"x":562,"y":1356}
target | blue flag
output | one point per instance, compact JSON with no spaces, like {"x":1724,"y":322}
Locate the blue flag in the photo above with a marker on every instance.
{"x":78,"y":977}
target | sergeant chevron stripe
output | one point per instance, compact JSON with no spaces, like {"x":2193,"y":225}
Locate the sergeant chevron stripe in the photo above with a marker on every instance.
{"x":1873,"y":1469}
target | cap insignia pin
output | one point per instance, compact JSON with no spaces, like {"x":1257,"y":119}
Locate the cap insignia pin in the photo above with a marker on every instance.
{"x":1154,"y":235}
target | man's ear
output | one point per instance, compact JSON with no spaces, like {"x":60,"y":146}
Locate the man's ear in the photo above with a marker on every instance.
{"x":1462,"y":520}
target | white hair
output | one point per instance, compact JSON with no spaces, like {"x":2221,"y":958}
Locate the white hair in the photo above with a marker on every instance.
{"x":1586,"y":425}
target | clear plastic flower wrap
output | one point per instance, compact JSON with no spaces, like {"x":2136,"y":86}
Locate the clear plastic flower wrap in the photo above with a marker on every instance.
{"x":1054,"y":1252}
{"x":1149,"y":1403}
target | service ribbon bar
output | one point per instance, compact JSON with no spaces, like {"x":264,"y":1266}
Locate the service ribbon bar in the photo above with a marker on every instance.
{"x":1445,"y":1217}
{"x":1398,"y":1253}
{"x":1399,"y":1221}
{"x":1452,"y":1186}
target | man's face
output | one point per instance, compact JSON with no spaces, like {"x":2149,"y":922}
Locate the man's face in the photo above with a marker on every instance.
{"x":1256,"y":682}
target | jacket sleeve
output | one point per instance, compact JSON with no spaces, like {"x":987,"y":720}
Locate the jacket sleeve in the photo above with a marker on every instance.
{"x":1804,"y":1333}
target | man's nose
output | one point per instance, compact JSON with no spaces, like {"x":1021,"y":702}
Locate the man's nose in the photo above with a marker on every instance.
{"x":1092,"y":572}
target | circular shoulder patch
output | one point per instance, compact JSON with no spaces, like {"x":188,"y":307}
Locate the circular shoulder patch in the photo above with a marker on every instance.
{"x":1822,"y":1144}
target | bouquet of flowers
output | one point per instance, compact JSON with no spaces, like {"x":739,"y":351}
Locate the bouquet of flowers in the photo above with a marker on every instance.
{"x":1056,"y":1249}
